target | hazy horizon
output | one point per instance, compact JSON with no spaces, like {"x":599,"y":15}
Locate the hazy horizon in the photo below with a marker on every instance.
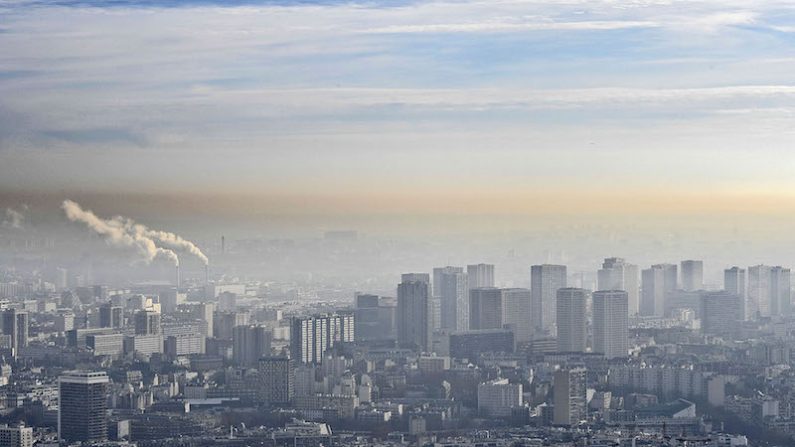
{"x":655,"y":131}
{"x":453,"y":107}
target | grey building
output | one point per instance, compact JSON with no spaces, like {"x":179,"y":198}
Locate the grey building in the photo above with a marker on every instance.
{"x":617,"y":274}
{"x":311,"y":336}
{"x":485,"y":308}
{"x":414,"y":325}
{"x":692,"y":275}
{"x":611,"y":323}
{"x":571,"y":319}
{"x":452,"y":285}
{"x":545,"y":281}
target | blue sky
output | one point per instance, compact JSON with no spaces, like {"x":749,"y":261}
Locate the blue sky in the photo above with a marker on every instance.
{"x":485,"y":99}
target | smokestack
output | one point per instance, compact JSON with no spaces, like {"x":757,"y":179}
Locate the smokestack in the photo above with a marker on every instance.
{"x":178,"y":278}
{"x":223,"y":244}
{"x":207,"y":273}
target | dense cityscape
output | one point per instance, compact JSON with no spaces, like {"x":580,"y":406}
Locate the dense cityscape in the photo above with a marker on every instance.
{"x":621,"y":355}
{"x":397,"y":223}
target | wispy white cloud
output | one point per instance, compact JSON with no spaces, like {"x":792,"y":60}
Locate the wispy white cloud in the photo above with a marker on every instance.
{"x":202,"y":82}
{"x":495,"y":26}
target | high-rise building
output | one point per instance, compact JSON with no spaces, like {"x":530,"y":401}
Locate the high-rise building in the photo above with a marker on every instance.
{"x":517,"y":313}
{"x":692,"y":275}
{"x":572,"y":331}
{"x":225,"y":322}
{"x":250,"y":343}
{"x":16,"y":436}
{"x":278,"y":378}
{"x":147,"y":322}
{"x":545,"y":281}
{"x":205,"y":313}
{"x":111,"y":316}
{"x":611,"y":323}
{"x":769,"y":292}
{"x":485,"y":308}
{"x":16,"y":325}
{"x":734,"y":283}
{"x":480,"y":275}
{"x":311,"y":336}
{"x":656,"y":283}
{"x":720,"y":312}
{"x":375,"y":317}
{"x":82,"y":406}
{"x":758,"y":297}
{"x":414,"y":323}
{"x":366,"y":311}
{"x":570,"y":396}
{"x":452,"y":284}
{"x":170,"y":299}
{"x":617,"y":274}
{"x":780,"y":291}
{"x":670,"y":275}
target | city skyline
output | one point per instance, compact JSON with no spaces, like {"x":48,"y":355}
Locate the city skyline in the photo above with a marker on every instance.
{"x":397,"y":223}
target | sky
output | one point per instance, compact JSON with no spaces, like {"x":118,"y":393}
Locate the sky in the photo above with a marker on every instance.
{"x":647,"y":108}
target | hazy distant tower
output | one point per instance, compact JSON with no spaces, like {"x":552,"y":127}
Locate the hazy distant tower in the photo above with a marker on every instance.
{"x":692,"y":275}
{"x":485,"y":308}
{"x":545,"y":280}
{"x":571,"y":319}
{"x":611,"y":323}
{"x":734,"y":283}
{"x":616,"y":274}
{"x":413,"y":311}
{"x":480,"y":275}
{"x":656,"y":283}
{"x":758,"y":298}
{"x":780,"y":292}
{"x":451,"y":286}
{"x":517,"y":313}
{"x":721,"y":311}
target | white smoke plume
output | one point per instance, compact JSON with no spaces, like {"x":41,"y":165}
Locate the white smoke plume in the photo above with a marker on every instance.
{"x":115,"y":233}
{"x":164,"y":238}
{"x":14,"y":219}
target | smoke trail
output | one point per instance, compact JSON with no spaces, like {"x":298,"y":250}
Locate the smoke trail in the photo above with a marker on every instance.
{"x":164,"y":238}
{"x":117,"y":235}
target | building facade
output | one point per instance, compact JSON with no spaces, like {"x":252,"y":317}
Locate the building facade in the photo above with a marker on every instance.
{"x":82,"y":409}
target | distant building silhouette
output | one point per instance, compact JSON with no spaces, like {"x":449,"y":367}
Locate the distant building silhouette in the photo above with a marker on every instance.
{"x":611,"y":323}
{"x":485,"y":308}
{"x":414,"y":323}
{"x":452,"y":286}
{"x":571,"y":319}
{"x":480,"y":275}
{"x":617,"y":274}
{"x":545,"y":280}
{"x":692,"y":275}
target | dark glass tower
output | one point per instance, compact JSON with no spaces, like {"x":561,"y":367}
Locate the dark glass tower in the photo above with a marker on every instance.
{"x":83,"y":405}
